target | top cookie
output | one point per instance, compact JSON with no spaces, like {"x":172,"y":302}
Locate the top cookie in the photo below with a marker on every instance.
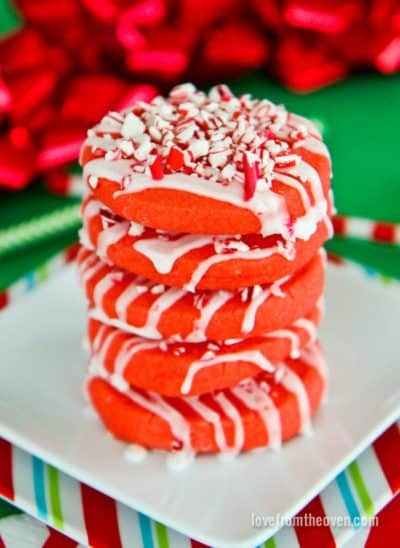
{"x":210,"y":163}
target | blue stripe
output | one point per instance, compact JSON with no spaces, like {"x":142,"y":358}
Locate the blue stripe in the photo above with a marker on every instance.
{"x":348,"y":498}
{"x":30,"y":280}
{"x":145,"y":529}
{"x":39,"y":487}
{"x":370,"y":272}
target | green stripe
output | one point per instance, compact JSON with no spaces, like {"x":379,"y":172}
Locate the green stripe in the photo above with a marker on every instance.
{"x":361,"y":488}
{"x":54,"y":496}
{"x":162,"y":535}
{"x":386,"y":280}
{"x":270,"y":543}
{"x":39,"y":228}
{"x":42,"y":273}
{"x":7,"y":509}
{"x":75,"y":169}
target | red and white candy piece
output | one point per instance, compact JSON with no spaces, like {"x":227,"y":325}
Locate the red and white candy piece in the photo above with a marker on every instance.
{"x":367,"y":229}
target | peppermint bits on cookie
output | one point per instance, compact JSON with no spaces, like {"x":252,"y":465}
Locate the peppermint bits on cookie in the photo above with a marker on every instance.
{"x":228,"y":155}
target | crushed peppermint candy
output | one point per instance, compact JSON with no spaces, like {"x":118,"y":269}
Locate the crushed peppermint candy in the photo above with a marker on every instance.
{"x":156,"y":168}
{"x":209,"y":355}
{"x":226,"y":245}
{"x":157,"y":289}
{"x":213,"y":346}
{"x":215,"y":136}
{"x":135,"y":229}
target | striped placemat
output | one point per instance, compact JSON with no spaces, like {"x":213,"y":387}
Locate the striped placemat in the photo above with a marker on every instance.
{"x":93,"y":519}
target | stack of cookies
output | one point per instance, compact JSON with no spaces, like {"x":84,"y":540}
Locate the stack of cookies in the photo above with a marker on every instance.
{"x":202,"y":265}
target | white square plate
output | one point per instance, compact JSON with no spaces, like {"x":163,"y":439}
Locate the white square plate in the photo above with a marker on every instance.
{"x":42,"y":410}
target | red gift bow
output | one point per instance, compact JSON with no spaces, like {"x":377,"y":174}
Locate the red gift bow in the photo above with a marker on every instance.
{"x":75,"y":59}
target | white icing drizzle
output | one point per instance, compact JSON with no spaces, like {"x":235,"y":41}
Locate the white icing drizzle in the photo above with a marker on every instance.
{"x":162,"y":303}
{"x":254,"y":397}
{"x":98,"y":338}
{"x":287,"y":251}
{"x":102,"y":287}
{"x":149,"y":330}
{"x":126,"y":353}
{"x":218,"y":299}
{"x":252,"y":356}
{"x":157,"y":404}
{"x":129,"y":295}
{"x":99,"y":315}
{"x":305,"y":172}
{"x":292,"y":337}
{"x":295,"y":385}
{"x":309,"y":327}
{"x":100,"y":348}
{"x":314,"y":145}
{"x":269,"y":207}
{"x":257,"y":299}
{"x":277,"y":222}
{"x":85,"y":264}
{"x":212,"y":417}
{"x":305,"y":226}
{"x":87,"y":274}
{"x":294,"y":183}
{"x":109,"y":236}
{"x":179,"y":426}
{"x":230,"y":411}
{"x":164,"y":253}
{"x":84,"y":239}
{"x":120,"y":364}
{"x":315,"y":358}
{"x":329,"y":226}
{"x":249,"y":318}
{"x":90,"y":208}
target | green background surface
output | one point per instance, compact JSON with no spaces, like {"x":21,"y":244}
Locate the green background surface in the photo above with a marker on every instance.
{"x":8,"y":17}
{"x":360,"y":119}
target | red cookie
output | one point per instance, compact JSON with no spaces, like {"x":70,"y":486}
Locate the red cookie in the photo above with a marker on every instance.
{"x":155,"y":311}
{"x":195,"y":163}
{"x":195,"y":261}
{"x":174,"y":369}
{"x":259,"y":412}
